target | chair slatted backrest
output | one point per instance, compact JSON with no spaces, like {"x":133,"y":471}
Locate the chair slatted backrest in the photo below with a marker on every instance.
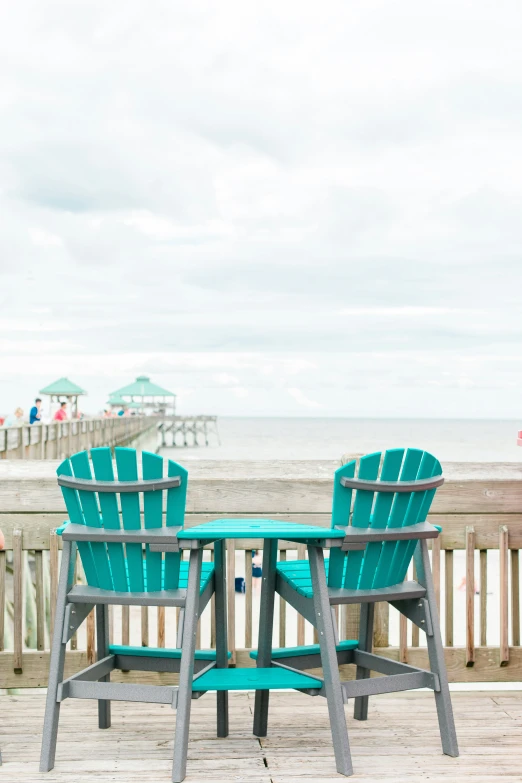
{"x":380,"y":564}
{"x":115,"y":566}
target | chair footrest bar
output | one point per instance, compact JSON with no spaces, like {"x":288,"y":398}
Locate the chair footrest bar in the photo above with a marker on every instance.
{"x":116,"y":691}
{"x":383,"y":665}
{"x":254,"y":680}
{"x":309,"y":649}
{"x":161,"y":652}
{"x":391,"y":684}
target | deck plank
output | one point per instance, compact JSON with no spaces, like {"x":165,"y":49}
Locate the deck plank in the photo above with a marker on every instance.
{"x":399,"y":742}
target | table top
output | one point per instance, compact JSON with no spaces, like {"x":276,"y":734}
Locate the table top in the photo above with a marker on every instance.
{"x":259,"y":528}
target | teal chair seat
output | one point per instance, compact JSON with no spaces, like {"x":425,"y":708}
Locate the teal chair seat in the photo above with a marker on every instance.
{"x":207,"y":569}
{"x":297,"y":574}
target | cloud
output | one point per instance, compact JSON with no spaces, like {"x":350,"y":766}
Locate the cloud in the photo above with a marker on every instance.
{"x":281,"y":199}
{"x":303,"y":400}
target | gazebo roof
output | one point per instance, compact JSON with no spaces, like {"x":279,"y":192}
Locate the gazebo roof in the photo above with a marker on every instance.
{"x":142,"y":387}
{"x":116,"y":399}
{"x":64,"y":387}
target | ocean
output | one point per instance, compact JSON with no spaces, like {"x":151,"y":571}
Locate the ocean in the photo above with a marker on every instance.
{"x":465,"y":440}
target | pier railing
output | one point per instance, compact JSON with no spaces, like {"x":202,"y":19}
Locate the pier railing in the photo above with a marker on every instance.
{"x":60,"y":439}
{"x":475,"y":565}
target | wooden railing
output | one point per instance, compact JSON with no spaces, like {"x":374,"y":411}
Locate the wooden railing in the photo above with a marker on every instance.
{"x":60,"y":439}
{"x":479,"y":509}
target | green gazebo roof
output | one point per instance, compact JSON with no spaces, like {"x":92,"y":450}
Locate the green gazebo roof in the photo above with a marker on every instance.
{"x":116,"y":399}
{"x":64,"y":387}
{"x":142,"y":387}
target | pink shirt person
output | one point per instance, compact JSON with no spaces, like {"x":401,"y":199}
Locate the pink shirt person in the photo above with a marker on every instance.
{"x":61,"y":413}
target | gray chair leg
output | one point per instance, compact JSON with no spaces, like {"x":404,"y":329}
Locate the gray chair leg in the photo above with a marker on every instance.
{"x":186,"y":671}
{"x":332,"y":682}
{"x":448,"y":734}
{"x":221,"y":634}
{"x":102,"y":634}
{"x":266,"y":623}
{"x":365,"y":643}
{"x":52,"y":705}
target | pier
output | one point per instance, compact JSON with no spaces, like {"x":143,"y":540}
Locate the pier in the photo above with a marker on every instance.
{"x":60,"y":439}
{"x":188,"y":431}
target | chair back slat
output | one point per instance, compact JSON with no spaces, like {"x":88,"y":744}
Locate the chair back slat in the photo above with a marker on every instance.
{"x":361,"y":517}
{"x":103,"y":471}
{"x":74,"y":509}
{"x":341,"y":509}
{"x":381,"y":564}
{"x":91,"y":513}
{"x":127,"y":466}
{"x":152,"y":465}
{"x":95,"y":497}
{"x":417,"y":512}
{"x":390,"y":471}
{"x":386,"y":573}
{"x":176,"y":503}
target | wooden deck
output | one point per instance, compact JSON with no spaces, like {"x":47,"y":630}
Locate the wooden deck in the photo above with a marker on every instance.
{"x":398,"y":743}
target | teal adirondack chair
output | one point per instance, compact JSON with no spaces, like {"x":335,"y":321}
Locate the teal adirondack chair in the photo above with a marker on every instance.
{"x":121,"y":527}
{"x":381,"y":503}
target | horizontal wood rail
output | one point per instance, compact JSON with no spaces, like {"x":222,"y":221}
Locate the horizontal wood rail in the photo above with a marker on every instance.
{"x":60,"y":439}
{"x":475,"y":563}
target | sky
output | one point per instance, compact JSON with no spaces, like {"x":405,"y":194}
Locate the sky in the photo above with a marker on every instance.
{"x":272,"y":209}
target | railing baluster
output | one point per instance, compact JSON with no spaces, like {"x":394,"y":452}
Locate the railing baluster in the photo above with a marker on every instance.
{"x":125,"y":625}
{"x":403,"y":639}
{"x":381,"y":630}
{"x":74,"y":637}
{"x":248,"y":599}
{"x":448,"y":563}
{"x":231,"y":579}
{"x":40,"y":604}
{"x":301,"y":554}
{"x":53,"y":566}
{"x":435,"y":567}
{"x":18,"y":573}
{"x":161,"y":626}
{"x":2,"y":597}
{"x":515,"y":597}
{"x":470,"y":596}
{"x":144,"y":626}
{"x":415,"y":628}
{"x":212,"y":613}
{"x":91,"y":644}
{"x":483,"y":597}
{"x":504,"y":605}
{"x":282,"y":610}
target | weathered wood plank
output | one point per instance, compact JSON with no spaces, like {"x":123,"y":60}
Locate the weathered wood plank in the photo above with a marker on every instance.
{"x":297,"y":749}
{"x":274,"y":487}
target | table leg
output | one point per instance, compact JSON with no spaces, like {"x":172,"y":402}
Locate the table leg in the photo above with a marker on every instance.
{"x":266,"y":624}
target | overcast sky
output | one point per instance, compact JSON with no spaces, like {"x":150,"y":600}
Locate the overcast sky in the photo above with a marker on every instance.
{"x":276,"y":208}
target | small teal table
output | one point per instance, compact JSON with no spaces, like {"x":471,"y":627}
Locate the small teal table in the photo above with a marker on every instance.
{"x":269,"y":674}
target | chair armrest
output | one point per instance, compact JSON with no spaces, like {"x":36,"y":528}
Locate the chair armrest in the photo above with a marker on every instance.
{"x":59,"y":530}
{"x":368,"y":535}
{"x":158,"y":535}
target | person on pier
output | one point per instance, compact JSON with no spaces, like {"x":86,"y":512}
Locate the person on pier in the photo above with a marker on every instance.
{"x":35,"y":414}
{"x":61,"y":413}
